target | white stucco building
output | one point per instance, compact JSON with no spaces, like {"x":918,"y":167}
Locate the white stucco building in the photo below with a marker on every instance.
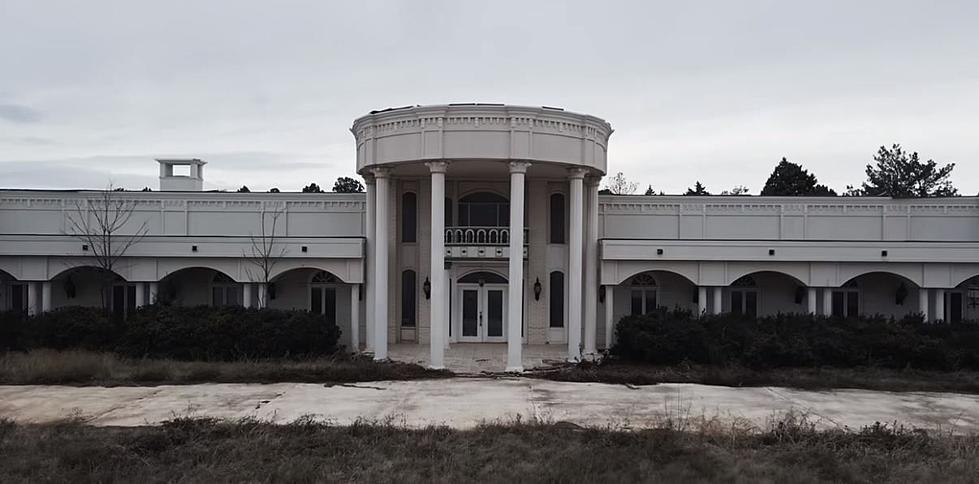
{"x":484,"y":223}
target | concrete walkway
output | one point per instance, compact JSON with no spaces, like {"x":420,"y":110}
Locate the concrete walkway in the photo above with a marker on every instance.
{"x":465,"y":402}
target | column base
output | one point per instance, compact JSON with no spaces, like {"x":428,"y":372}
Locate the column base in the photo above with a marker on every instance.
{"x":436,"y":367}
{"x":514,"y":369}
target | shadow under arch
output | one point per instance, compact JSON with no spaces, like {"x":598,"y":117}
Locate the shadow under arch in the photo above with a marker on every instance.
{"x":653,"y":272}
{"x":766,"y":272}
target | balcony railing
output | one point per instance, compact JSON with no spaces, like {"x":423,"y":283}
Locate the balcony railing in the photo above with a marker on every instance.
{"x":480,"y":236}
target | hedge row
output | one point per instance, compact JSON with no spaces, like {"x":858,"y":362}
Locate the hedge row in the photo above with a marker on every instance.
{"x":797,"y":340}
{"x":185,"y":333}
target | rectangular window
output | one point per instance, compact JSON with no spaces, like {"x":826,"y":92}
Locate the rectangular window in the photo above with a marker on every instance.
{"x":737,"y":303}
{"x":751,"y":303}
{"x":330,"y":305}
{"x":650,"y":299}
{"x":556,"y":299}
{"x":233,"y":295}
{"x":846,"y":304}
{"x":557,"y":218}
{"x":852,"y":304}
{"x":119,"y":301}
{"x":409,"y":217}
{"x":316,"y":300}
{"x":636,"y":308}
{"x":408,"y":299}
{"x":839,"y":310}
{"x":955,"y":307}
{"x":18,"y":299}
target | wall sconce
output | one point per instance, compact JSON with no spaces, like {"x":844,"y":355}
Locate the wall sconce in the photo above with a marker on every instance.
{"x":800,"y":294}
{"x":427,"y":288}
{"x":271,"y":290}
{"x":537,"y":289}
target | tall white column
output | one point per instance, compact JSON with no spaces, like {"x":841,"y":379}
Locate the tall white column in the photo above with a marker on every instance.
{"x":439,"y":322}
{"x":827,"y":301}
{"x":609,"y":315}
{"x":591,"y":268}
{"x":939,"y":305}
{"x":140,"y":294}
{"x":701,"y":301}
{"x":575,"y":234}
{"x":382,"y":196}
{"x":246,"y":294}
{"x":370,"y":227}
{"x":811,"y":300}
{"x":718,"y":299}
{"x":262,"y":295}
{"x":923,"y":303}
{"x":514,"y":360}
{"x":354,"y":318}
{"x":154,"y":291}
{"x":32,"y":298}
{"x":46,"y":296}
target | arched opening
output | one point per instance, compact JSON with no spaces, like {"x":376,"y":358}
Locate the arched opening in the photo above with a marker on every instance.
{"x":882,"y":293}
{"x":199,"y":286}
{"x":93,"y":287}
{"x":482,"y":277}
{"x":963,"y":301}
{"x":484,"y":209}
{"x":764,"y":293}
{"x":643,"y":294}
{"x":13,"y":294}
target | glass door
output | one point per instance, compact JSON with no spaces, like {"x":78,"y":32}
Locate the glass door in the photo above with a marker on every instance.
{"x":494,"y":307}
{"x":482,"y":313}
{"x":470,"y":316}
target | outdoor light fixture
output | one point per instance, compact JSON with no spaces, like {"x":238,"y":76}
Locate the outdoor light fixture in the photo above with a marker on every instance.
{"x":70,"y":288}
{"x":271,"y":290}
{"x":537,"y":289}
{"x":427,"y":288}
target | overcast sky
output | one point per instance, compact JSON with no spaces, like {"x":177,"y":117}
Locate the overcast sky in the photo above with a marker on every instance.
{"x":266,"y":91}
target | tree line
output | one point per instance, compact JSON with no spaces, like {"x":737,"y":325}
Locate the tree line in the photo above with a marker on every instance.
{"x":894,"y":173}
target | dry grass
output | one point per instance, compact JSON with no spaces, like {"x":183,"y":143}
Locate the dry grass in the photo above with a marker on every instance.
{"x":803,"y":378}
{"x":77,"y":367}
{"x":202,"y":450}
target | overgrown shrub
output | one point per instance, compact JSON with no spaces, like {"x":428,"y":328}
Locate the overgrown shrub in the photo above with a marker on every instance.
{"x":797,"y":340}
{"x":186,"y":333}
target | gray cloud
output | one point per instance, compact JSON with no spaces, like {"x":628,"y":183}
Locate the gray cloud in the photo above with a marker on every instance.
{"x":712,"y":91}
{"x":19,"y":114}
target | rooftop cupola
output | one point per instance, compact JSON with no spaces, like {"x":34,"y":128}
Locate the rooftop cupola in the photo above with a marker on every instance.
{"x":181,"y":175}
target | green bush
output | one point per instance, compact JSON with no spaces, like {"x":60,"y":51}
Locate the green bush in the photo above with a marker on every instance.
{"x":185,"y":333}
{"x":797,"y":340}
{"x":226,"y":333}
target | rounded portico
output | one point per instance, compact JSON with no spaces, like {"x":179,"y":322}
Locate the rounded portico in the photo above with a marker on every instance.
{"x":462,"y":180}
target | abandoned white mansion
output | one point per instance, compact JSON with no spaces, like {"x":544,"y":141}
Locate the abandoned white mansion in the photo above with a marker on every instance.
{"x":484,"y":223}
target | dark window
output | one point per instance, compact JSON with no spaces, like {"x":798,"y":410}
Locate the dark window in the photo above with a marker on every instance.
{"x":852,"y":304}
{"x":119,"y":301}
{"x":408,"y":299}
{"x":556,"y":299}
{"x":838,"y":309}
{"x":846,"y":303}
{"x":18,"y":298}
{"x":448,"y":212}
{"x":484,"y":210}
{"x":409,"y":217}
{"x":330,"y":305}
{"x":744,"y":302}
{"x":316,"y":300}
{"x":482,"y":278}
{"x":955,"y":307}
{"x":557,"y":218}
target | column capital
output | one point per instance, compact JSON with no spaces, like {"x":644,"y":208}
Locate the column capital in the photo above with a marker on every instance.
{"x":519,"y":166}
{"x":577,"y":173}
{"x":368,"y":178}
{"x":381,"y":172}
{"x":593,"y":180}
{"x":438,"y":166}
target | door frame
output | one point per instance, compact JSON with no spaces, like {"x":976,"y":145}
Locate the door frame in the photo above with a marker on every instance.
{"x":482,"y":301}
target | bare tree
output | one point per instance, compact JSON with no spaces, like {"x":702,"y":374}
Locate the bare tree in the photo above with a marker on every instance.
{"x":265,"y":252}
{"x":105,"y":224}
{"x":619,"y":185}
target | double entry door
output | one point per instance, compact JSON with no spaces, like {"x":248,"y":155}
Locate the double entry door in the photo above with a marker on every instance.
{"x":482,"y":312}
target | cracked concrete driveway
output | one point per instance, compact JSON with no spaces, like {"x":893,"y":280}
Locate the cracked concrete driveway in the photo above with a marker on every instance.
{"x":465,"y":402}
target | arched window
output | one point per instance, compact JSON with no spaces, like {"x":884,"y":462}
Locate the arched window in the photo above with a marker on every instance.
{"x":409,"y":217}
{"x":323,"y":296}
{"x":557,"y":218}
{"x":556,"y":299}
{"x":643,"y":294}
{"x":744,"y":297}
{"x":224,"y":291}
{"x":408,"y":298}
{"x":484,"y":209}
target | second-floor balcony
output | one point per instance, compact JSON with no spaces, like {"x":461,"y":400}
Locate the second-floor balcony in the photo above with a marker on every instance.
{"x":472,"y":235}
